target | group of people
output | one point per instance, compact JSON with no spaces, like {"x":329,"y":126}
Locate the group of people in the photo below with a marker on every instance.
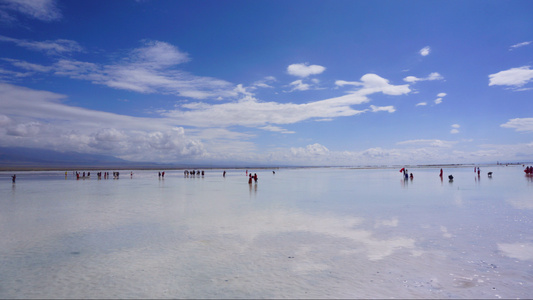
{"x":186,"y":173}
{"x":254,"y":177}
{"x":529,"y":170}
{"x":98,"y":174}
{"x":406,"y":174}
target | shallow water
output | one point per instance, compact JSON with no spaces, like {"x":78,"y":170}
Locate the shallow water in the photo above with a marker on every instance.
{"x":299,"y":233}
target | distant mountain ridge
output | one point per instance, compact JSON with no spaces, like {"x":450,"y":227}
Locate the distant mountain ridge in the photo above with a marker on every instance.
{"x":26,"y":157}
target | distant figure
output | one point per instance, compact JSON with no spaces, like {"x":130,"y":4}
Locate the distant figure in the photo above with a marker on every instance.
{"x":249,"y":179}
{"x":489,"y":174}
{"x":246,"y":172}
{"x":411,"y":176}
{"x":478,"y":172}
{"x":14,"y":177}
{"x":440,"y":173}
{"x":203,"y":173}
{"x":159,"y":174}
{"x":450,"y":177}
{"x":274,"y":172}
{"x":255,"y":177}
{"x":163,"y":174}
{"x":224,"y":174}
{"x":131,"y":174}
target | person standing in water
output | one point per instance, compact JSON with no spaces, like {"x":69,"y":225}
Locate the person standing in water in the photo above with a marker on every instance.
{"x":14,"y":177}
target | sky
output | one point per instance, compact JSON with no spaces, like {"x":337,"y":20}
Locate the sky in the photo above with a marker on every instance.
{"x":340,"y":83}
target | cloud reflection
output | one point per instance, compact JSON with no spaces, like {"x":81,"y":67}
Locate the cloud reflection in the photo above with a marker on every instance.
{"x":278,"y":222}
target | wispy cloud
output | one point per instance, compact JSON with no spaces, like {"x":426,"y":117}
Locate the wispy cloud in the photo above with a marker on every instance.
{"x":55,"y":47}
{"x":519,"y":45}
{"x":514,"y":77}
{"x":389,"y":109}
{"x":298,"y":85}
{"x":44,"y":10}
{"x":430,"y":77}
{"x":148,"y":69}
{"x":439,"y":99}
{"x":429,"y":143}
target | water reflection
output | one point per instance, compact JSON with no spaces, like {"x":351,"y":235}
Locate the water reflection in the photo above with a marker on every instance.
{"x":350,"y":233}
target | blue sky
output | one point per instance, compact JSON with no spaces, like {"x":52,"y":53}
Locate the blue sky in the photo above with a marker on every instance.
{"x":270,"y":82}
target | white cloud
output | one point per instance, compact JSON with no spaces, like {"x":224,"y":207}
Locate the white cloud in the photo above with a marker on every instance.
{"x":430,"y":77}
{"x":310,"y":151}
{"x":33,"y":118}
{"x":304,"y":70}
{"x":276,"y":129}
{"x":55,"y":47}
{"x":519,"y":124}
{"x":429,"y":143}
{"x":389,"y":109}
{"x":421,"y":104}
{"x":515,"y":77}
{"x":264,"y":83}
{"x":455,"y":128}
{"x":519,"y":45}
{"x":298,"y":85}
{"x":249,"y":111}
{"x":425,"y":51}
{"x":158,"y":54}
{"x":148,"y":69}
{"x":439,"y":99}
{"x":373,"y":83}
{"x":44,"y":10}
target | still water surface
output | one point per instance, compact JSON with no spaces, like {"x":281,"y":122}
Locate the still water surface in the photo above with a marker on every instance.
{"x":299,"y":233}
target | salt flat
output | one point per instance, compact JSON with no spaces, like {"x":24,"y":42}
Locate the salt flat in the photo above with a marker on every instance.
{"x":299,"y":233}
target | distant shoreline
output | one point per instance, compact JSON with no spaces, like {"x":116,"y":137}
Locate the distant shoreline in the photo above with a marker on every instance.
{"x":167,"y":167}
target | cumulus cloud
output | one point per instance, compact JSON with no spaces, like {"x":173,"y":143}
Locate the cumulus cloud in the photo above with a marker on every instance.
{"x":44,"y":10}
{"x":425,"y":51}
{"x":421,"y":104}
{"x":55,"y":47}
{"x":372,"y":83}
{"x":310,"y":150}
{"x":514,"y":77}
{"x":32,"y":118}
{"x":304,"y":70}
{"x":430,"y":77}
{"x":520,"y":124}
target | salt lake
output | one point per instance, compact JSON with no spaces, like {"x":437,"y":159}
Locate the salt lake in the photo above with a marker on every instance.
{"x":298,"y":233}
